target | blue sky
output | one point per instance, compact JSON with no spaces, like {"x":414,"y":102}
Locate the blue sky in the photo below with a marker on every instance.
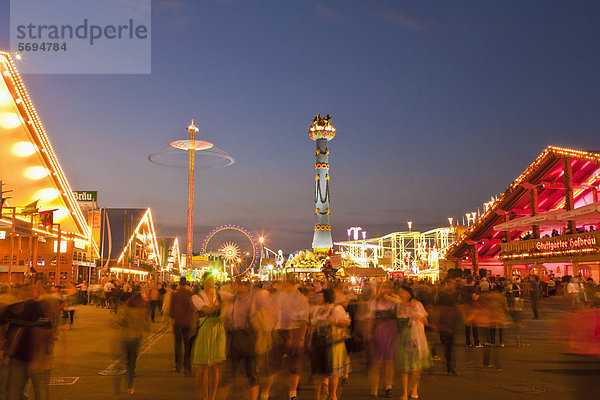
{"x":437,"y":105}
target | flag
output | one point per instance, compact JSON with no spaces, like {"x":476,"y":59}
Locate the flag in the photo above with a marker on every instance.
{"x":30,"y":208}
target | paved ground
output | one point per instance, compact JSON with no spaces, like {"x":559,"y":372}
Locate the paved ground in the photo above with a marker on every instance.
{"x":537,"y":371}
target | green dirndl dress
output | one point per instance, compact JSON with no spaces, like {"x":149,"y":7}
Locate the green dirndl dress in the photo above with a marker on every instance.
{"x":210,"y":344}
{"x":412,"y":351}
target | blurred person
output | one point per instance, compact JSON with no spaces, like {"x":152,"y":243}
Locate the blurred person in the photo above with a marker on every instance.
{"x":182,"y":314}
{"x":574,"y":291}
{"x":413,"y":350}
{"x":383,"y":338}
{"x":367,"y":289}
{"x":543,"y":282}
{"x":328,"y":350}
{"x":447,"y":322}
{"x":126,"y":290}
{"x":108,"y":288}
{"x":515,"y":307}
{"x":133,"y":321}
{"x":292,"y":309}
{"x":153,"y":298}
{"x":83,"y":292}
{"x":166,"y":305}
{"x":559,"y":286}
{"x":162,"y":291}
{"x":484,"y":285}
{"x":6,"y":298}
{"x":582,"y":328}
{"x":59,"y":317}
{"x":69,"y":303}
{"x":96,"y":292}
{"x":534,"y":295}
{"x":467,"y":295}
{"x":115,"y":296}
{"x":588,"y":290}
{"x":551,"y":286}
{"x":595,"y":296}
{"x":264,"y":320}
{"x":28,"y":343}
{"x":210,"y":344}
{"x":315,"y":300}
{"x":245,"y":303}
{"x":491,"y":309}
{"x":358,"y":309}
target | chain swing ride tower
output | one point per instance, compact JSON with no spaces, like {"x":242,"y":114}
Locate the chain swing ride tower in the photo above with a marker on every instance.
{"x":191,"y":146}
{"x":321,"y":131}
{"x":192,"y":129}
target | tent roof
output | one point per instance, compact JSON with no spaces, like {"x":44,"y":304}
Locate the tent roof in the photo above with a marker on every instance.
{"x":546,"y":174}
{"x":589,"y":214}
{"x":28,"y":164}
{"x":550,"y":219}
{"x":144,"y":230}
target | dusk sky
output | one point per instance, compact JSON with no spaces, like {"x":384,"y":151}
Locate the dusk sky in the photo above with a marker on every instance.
{"x":437,"y":106}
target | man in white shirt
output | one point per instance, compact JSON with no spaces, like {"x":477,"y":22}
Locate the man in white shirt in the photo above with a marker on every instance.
{"x":574,"y":291}
{"x":108,"y":287}
{"x":484,"y":285}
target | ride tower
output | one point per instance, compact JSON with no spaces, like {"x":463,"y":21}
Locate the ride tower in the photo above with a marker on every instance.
{"x":192,"y":129}
{"x":321,"y":131}
{"x":191,"y":146}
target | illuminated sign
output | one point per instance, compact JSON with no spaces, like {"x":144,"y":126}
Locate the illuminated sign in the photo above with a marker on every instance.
{"x":566,"y":243}
{"x":86,"y":195}
{"x":2,"y":234}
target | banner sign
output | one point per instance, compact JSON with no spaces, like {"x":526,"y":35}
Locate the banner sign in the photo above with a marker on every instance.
{"x":94,"y":221}
{"x":566,"y":243}
{"x":86,"y":196}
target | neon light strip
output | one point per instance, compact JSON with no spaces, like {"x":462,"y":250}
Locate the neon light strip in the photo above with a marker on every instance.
{"x":129,"y":271}
{"x":44,"y":145}
{"x":53,"y":233}
{"x":366,"y":246}
{"x":154,"y":241}
{"x":147,"y":217}
{"x":176,"y":248}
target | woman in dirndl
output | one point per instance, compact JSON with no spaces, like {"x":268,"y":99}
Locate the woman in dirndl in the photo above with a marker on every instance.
{"x":383,"y":338}
{"x":209,"y":347}
{"x":413,"y":352}
{"x":329,"y":324}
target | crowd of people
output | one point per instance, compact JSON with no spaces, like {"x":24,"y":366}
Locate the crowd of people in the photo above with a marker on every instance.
{"x":394,"y":327}
{"x":316,"y":327}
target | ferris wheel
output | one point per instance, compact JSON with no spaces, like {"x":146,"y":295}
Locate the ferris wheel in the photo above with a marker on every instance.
{"x":236,"y":245}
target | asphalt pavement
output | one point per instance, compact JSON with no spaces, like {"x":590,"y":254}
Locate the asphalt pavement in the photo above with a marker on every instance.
{"x":86,"y":366}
